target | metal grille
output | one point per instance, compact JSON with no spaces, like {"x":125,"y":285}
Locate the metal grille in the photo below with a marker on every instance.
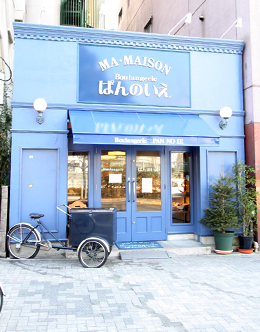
{"x":80,"y":13}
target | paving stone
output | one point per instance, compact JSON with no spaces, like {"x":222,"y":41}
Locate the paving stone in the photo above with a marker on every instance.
{"x":183,"y":293}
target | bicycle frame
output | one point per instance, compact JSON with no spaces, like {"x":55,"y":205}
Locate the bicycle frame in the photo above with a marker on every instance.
{"x":92,"y":251}
{"x":42,"y":225}
{"x":29,"y":234}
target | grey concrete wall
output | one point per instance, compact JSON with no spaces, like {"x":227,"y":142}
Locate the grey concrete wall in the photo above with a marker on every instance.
{"x":3,"y":220}
{"x":43,"y":12}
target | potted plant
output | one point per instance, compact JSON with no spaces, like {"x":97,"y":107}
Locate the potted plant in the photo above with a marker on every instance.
{"x":244,"y":178}
{"x":221,"y":215}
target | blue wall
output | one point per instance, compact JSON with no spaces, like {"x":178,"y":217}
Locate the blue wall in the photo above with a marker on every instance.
{"x":39,"y":167}
{"x":46,"y":66}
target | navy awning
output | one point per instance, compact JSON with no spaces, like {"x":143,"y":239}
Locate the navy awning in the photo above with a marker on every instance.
{"x":95,"y":127}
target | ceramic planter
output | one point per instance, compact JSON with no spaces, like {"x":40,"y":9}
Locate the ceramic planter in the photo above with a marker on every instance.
{"x":245,"y":244}
{"x":223,"y":242}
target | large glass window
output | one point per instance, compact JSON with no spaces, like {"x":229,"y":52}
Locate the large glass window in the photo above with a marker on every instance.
{"x":148,"y":180}
{"x":180,"y":187}
{"x":77,"y":177}
{"x":113,"y":179}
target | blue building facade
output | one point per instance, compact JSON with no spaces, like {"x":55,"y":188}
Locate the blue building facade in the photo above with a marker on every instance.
{"x":132,"y":122}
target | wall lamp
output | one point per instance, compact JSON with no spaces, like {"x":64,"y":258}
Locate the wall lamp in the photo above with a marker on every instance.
{"x":225,"y":113}
{"x":187,"y":19}
{"x":238,"y":23}
{"x":40,"y":106}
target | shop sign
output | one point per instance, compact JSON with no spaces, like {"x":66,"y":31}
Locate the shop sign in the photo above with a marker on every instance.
{"x":143,"y":140}
{"x":133,"y":76}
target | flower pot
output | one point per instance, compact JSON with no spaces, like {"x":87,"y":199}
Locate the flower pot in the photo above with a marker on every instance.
{"x":245,"y":242}
{"x":245,"y":251}
{"x":223,"y":242}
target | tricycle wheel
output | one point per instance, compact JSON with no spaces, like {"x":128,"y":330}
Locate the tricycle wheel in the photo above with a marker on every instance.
{"x":110,"y":249}
{"x":92,"y":253}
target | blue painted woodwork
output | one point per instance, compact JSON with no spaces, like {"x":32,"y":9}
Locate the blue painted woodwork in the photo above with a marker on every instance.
{"x":213,"y":83}
{"x":46,"y":65}
{"x":132,"y":76}
{"x":149,"y":225}
{"x":47,"y":58}
{"x":46,"y":170}
{"x":211,"y":163}
{"x":39,"y":164}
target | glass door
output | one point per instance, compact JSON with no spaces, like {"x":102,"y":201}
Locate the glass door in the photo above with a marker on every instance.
{"x":131,"y":180}
{"x":148,"y":215}
{"x":113,"y":179}
{"x":148,"y":181}
{"x":115,"y":188}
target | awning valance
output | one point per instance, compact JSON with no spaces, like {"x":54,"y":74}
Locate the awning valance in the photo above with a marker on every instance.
{"x":123,"y":128}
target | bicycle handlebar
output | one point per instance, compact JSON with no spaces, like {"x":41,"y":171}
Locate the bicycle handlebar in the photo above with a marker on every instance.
{"x":58,"y":207}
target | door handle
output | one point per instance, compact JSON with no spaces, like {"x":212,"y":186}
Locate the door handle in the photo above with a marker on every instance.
{"x":133,"y":190}
{"x":129,"y":191}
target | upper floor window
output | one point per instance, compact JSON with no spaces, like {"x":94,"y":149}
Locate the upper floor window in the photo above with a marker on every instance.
{"x":72,"y":13}
{"x":80,"y":13}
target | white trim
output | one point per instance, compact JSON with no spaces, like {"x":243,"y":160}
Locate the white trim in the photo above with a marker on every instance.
{"x":125,"y":39}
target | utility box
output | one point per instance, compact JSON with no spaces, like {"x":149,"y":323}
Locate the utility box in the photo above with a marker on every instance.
{"x":92,"y":222}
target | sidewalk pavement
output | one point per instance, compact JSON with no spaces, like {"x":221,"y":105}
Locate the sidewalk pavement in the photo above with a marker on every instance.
{"x":180,"y":247}
{"x":178,"y":293}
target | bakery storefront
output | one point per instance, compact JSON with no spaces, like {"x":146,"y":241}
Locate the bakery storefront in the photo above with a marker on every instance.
{"x":132,"y":121}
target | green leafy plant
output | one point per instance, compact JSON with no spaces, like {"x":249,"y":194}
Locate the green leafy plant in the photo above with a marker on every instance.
{"x":5,"y":136}
{"x":221,"y":215}
{"x":244,"y":178}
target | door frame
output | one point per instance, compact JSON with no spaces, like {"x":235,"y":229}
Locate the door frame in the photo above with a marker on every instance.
{"x":124,"y":219}
{"x":156,"y":217}
{"x":183,"y":228}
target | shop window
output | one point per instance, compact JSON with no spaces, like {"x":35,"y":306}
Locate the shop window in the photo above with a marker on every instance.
{"x":113,"y":179}
{"x":180,"y":187}
{"x":78,"y":178}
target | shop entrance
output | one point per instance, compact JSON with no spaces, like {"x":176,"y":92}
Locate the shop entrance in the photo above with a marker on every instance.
{"x":132,"y":180}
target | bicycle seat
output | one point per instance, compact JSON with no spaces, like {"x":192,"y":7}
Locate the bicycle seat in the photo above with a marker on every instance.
{"x":36,"y":215}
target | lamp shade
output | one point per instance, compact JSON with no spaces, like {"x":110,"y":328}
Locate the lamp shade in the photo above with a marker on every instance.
{"x":40,"y":105}
{"x":225,"y":112}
